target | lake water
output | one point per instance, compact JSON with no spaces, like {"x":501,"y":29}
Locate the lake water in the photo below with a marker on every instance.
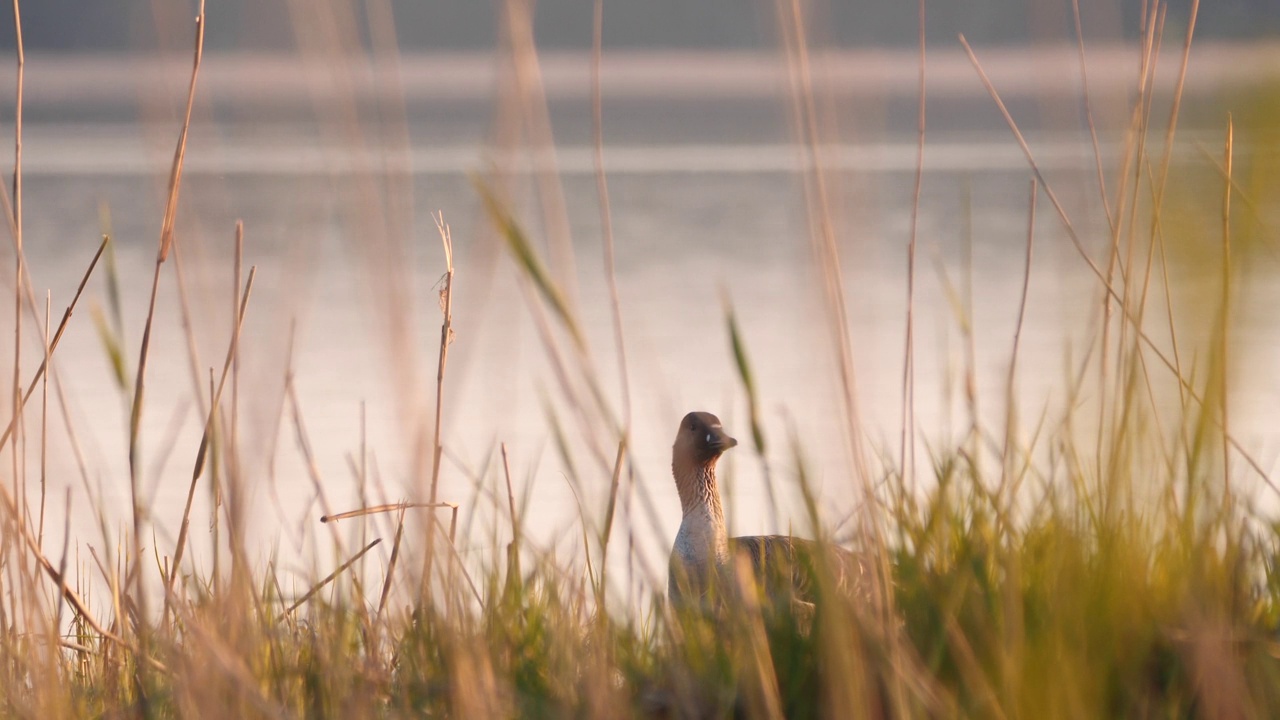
{"x":707,"y":203}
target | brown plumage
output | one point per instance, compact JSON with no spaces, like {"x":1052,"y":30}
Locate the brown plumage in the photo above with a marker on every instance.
{"x":783,"y":566}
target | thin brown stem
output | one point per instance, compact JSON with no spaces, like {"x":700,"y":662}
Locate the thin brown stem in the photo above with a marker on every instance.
{"x":53,"y":344}
{"x":391,"y":570}
{"x":19,"y":257}
{"x":377,"y":509}
{"x":804,"y":115}
{"x":907,"y":444}
{"x":206,"y":437}
{"x":11,"y":507}
{"x":607,"y":530}
{"x":235,"y":505}
{"x":166,"y":241}
{"x":1129,"y":316}
{"x":606,"y":215}
{"x":446,"y":337}
{"x":1010,"y":425}
{"x":62,"y":563}
{"x":1225,"y":331}
{"x":1088,"y":114}
{"x":330,"y":577}
{"x":44,"y":423}
{"x":511,"y":496}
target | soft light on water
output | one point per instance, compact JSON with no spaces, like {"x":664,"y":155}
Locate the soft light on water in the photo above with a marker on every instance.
{"x":694,"y":222}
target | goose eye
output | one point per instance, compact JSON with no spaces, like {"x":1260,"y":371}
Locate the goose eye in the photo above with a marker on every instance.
{"x":708,"y":438}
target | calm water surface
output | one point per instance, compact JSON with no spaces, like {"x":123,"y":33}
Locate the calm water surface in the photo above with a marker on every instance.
{"x":707,"y":204}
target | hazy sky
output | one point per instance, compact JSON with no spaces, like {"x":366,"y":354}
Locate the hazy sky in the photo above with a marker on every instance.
{"x":423,"y":25}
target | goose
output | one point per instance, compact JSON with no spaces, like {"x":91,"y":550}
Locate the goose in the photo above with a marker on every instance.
{"x":703,"y":552}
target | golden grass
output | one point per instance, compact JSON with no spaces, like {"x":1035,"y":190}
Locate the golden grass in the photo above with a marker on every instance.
{"x":1122,"y":575}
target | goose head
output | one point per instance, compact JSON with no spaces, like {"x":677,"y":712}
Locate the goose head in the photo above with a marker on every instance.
{"x":700,"y":442}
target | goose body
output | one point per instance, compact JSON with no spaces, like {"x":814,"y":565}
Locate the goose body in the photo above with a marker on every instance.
{"x":703,"y":554}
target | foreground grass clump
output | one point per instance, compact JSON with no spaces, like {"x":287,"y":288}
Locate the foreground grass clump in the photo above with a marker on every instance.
{"x":1078,"y":615}
{"x":1073,"y":606}
{"x":1062,"y":615}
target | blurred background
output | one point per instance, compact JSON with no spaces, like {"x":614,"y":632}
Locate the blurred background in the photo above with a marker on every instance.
{"x":335,"y":130}
{"x":130,"y":26}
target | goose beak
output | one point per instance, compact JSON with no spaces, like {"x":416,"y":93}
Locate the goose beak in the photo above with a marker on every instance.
{"x":719,"y":441}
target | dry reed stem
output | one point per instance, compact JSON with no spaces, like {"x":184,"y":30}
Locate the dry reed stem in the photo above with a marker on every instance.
{"x":968,"y":332}
{"x":308,"y":455}
{"x":1138,"y":126}
{"x":188,"y":329}
{"x":395,"y":549}
{"x":743,"y":365}
{"x":1157,"y":242}
{"x":215,"y":398}
{"x":362,"y":472}
{"x":511,"y":496}
{"x":907,"y":443}
{"x":1026,"y":149}
{"x":1134,"y":152}
{"x":1225,"y":330}
{"x":1250,"y":204}
{"x":53,"y":344}
{"x":518,"y":34}
{"x":1159,"y":193}
{"x":1133,"y":321}
{"x":530,"y":102}
{"x":112,"y":581}
{"x":10,"y":501}
{"x":528,"y":259}
{"x":17,"y":138}
{"x":19,"y":256}
{"x":827,"y":254}
{"x":235,"y":508}
{"x":611,"y":275}
{"x":1174,"y":110}
{"x":1142,"y":365}
{"x":563,"y":374}
{"x":610,"y":508}
{"x":606,"y":214}
{"x":45,"y":368}
{"x":62,"y":563}
{"x":168,"y":444}
{"x":24,"y":533}
{"x":27,"y":285}
{"x":804,"y":116}
{"x":392,"y":507}
{"x":457,"y":558}
{"x":44,"y":420}
{"x":1144,"y":107}
{"x":1010,"y":425}
{"x":538,"y":278}
{"x":513,"y":548}
{"x":446,"y":338}
{"x":391,"y":570}
{"x":1088,"y":115}
{"x":166,"y":241}
{"x":329,"y":578}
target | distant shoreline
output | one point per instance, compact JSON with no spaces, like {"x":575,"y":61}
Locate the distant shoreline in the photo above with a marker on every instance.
{"x":61,"y":80}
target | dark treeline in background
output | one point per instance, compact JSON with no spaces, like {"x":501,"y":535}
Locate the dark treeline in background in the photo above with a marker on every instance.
{"x":450,"y":25}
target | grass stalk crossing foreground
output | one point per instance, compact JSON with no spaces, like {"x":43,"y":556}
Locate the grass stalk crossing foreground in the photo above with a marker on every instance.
{"x":1123,"y":572}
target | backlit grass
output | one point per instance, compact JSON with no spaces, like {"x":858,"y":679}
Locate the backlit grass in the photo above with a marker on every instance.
{"x":1036,"y":570}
